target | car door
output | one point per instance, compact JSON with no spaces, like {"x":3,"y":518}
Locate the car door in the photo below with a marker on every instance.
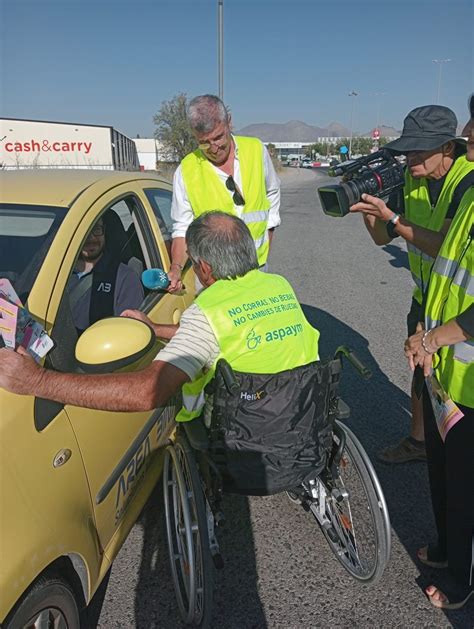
{"x":118,"y":449}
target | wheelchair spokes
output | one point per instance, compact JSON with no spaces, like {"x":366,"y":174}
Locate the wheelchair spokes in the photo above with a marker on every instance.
{"x":350,"y":509}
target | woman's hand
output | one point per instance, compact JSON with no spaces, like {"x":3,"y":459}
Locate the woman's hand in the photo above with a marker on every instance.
{"x":373,"y":206}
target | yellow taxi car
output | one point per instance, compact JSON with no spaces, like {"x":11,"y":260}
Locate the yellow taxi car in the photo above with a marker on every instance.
{"x":73,"y":481}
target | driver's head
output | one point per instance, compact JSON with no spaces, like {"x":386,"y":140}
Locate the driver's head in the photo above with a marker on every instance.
{"x":220,"y":246}
{"x":210,"y":123}
{"x":94,"y":245}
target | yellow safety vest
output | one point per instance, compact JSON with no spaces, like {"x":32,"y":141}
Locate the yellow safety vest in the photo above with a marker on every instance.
{"x":451,"y":292}
{"x":260,"y":328}
{"x":207,"y":192}
{"x":418,"y":210}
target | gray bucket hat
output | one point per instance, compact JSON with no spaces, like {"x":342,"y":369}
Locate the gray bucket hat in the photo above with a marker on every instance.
{"x":425,"y":129}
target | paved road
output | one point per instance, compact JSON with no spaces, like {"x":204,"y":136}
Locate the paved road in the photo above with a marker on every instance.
{"x":279,"y":571}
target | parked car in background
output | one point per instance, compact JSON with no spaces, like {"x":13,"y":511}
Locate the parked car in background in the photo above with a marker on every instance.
{"x":72,"y":480}
{"x":307,"y":163}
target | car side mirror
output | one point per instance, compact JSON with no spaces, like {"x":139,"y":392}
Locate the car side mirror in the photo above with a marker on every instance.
{"x":114,"y":343}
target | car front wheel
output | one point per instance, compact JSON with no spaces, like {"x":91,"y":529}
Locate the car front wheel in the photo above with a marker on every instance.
{"x":49,"y":603}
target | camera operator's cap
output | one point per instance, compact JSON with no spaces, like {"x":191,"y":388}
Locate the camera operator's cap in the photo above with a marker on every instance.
{"x":425,"y":129}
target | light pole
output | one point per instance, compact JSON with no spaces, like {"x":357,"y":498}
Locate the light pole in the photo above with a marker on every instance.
{"x":440,"y":63}
{"x":352,"y":93}
{"x":379,"y":96}
{"x":376,"y":138}
{"x":220,"y":46}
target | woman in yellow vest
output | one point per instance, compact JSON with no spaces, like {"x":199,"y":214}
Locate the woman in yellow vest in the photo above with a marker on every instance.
{"x":437,"y":176}
{"x":445,"y":350}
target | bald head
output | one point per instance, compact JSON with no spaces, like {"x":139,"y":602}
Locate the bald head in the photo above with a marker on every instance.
{"x":224,"y":242}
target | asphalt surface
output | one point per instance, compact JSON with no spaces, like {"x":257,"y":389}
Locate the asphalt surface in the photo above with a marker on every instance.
{"x":279,"y":571}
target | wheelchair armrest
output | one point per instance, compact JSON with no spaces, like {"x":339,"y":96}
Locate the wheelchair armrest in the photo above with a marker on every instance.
{"x":343,"y":411}
{"x":197,"y":434}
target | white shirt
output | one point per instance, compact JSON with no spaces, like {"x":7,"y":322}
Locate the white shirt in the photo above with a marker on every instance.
{"x":194,"y":347}
{"x":182,"y":212}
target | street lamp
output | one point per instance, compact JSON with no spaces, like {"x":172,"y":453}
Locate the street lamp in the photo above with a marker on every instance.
{"x":352,"y":93}
{"x":220,"y":46}
{"x":379,"y":96}
{"x":440,"y":63}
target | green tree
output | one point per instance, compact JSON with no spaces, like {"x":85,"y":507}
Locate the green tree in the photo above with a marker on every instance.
{"x":172,"y":129}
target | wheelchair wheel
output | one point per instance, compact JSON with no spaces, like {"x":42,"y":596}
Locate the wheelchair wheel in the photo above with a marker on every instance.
{"x":352,"y":512}
{"x":187,"y":532}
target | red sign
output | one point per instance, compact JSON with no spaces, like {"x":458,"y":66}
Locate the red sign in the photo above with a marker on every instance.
{"x":376,"y":134}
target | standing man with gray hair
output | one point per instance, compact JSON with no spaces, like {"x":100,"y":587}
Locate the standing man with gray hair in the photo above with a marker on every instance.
{"x":232,"y":173}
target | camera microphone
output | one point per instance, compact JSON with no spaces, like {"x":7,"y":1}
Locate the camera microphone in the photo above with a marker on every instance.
{"x":155,"y":279}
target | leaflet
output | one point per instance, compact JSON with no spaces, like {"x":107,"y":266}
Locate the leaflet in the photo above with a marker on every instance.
{"x":8,"y":314}
{"x":8,"y":292}
{"x":18,"y":327}
{"x":446,"y":412}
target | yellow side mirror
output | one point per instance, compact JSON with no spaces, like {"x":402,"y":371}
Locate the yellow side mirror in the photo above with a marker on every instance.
{"x":113,"y":343}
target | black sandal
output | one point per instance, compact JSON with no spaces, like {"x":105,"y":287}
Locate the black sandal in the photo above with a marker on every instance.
{"x":456,"y":595}
{"x":432,"y":556}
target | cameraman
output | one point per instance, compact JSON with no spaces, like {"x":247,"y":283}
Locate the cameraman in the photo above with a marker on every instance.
{"x":436,"y":177}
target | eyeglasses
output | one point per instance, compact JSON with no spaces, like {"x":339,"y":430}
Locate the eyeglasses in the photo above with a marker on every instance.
{"x":98,"y":230}
{"x":219,"y":142}
{"x":237,"y":197}
{"x":205,"y":146}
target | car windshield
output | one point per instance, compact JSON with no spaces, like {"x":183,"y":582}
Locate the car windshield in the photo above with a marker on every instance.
{"x":26,"y":234}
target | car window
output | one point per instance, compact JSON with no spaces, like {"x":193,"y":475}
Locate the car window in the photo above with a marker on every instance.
{"x":106,"y":278}
{"x":160,"y":201}
{"x":26,"y":234}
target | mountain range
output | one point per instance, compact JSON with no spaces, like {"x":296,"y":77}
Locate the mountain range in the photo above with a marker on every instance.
{"x":297,"y":131}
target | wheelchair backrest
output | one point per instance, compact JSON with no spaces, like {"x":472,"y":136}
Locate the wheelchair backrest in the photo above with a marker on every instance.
{"x":271,"y":432}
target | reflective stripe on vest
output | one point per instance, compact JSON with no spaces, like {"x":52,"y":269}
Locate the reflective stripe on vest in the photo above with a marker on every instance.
{"x":464,"y":352}
{"x":461,"y":277}
{"x":450,"y":293}
{"x":419,"y":211}
{"x":206,"y":191}
{"x":259,"y":327}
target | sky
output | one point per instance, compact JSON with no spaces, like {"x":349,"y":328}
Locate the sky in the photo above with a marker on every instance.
{"x":114,"y":62}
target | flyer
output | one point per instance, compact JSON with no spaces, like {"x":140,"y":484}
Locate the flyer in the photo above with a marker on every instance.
{"x":8,"y":292}
{"x":18,"y":327}
{"x":8,"y":320}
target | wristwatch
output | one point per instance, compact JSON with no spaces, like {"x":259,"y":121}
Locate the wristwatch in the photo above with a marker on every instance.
{"x":391,"y":224}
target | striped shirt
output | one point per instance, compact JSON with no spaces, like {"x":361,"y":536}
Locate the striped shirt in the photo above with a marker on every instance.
{"x":194,"y":347}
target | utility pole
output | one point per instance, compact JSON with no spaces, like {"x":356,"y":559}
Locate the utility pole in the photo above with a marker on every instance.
{"x":440,"y":63}
{"x":379,"y":96}
{"x":352,"y":93}
{"x":220,"y":46}
{"x":377,"y":133}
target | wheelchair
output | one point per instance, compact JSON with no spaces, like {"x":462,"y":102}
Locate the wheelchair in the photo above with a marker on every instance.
{"x":327,"y":473}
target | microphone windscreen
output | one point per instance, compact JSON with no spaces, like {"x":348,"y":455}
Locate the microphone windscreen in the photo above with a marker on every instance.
{"x":155,"y":279}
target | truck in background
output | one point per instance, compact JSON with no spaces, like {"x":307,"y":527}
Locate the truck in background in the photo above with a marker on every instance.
{"x":48,"y":144}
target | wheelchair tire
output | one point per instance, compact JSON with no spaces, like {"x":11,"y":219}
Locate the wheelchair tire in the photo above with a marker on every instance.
{"x":188,"y":539}
{"x":359,"y":534}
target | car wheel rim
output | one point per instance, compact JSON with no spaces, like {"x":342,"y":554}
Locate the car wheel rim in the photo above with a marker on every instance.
{"x":49,"y":618}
